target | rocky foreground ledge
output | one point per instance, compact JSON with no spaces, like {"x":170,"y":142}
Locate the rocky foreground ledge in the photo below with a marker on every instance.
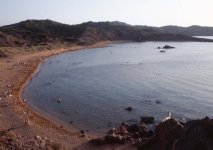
{"x":168,"y":135}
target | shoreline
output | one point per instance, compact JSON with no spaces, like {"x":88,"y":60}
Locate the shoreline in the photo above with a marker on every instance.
{"x":16,"y":73}
{"x":45,"y":115}
{"x":29,"y":122}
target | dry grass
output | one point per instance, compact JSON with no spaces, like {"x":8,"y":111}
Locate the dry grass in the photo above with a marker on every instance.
{"x":13,"y":51}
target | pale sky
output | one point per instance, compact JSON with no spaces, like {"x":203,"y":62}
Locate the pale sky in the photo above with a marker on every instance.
{"x":135,"y":12}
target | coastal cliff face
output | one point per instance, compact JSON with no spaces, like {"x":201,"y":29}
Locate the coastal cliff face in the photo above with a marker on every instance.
{"x":42,"y":32}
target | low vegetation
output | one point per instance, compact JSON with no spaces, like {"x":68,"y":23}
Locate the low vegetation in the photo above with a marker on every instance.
{"x":46,"y":32}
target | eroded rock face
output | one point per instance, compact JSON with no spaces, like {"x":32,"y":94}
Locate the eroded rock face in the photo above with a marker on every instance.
{"x":165,"y":136}
{"x":196,"y":135}
{"x":171,"y":135}
{"x":168,"y":135}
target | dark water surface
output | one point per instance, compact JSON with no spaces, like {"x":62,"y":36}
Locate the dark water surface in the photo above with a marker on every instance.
{"x":96,"y":85}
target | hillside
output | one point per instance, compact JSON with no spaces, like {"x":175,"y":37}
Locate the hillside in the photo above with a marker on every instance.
{"x":42,"y":32}
{"x":189,"y":31}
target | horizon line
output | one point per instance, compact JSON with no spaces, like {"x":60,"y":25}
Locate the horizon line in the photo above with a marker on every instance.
{"x":107,"y":21}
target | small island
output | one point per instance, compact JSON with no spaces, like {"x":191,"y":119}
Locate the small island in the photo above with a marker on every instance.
{"x":168,"y":47}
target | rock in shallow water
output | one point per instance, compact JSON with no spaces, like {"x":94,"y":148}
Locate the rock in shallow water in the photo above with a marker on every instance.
{"x":129,"y":108}
{"x":147,"y":120}
{"x":168,"y":47}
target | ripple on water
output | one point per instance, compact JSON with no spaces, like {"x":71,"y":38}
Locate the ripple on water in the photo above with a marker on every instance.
{"x":96,"y":85}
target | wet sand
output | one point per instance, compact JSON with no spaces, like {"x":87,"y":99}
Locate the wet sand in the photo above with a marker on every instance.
{"x":15,"y":72}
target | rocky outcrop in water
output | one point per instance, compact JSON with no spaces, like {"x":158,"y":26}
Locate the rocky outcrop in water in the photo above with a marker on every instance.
{"x":168,"y":47}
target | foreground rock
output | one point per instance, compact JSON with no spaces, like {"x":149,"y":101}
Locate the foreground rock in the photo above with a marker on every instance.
{"x":135,"y":134}
{"x":168,"y":135}
{"x":196,"y":135}
{"x":147,"y":120}
{"x":171,"y":135}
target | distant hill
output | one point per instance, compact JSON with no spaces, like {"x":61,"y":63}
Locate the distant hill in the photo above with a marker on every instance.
{"x":41,"y":32}
{"x":189,"y":31}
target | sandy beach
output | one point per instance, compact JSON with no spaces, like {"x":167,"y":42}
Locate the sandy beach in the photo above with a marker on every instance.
{"x":17,"y":117}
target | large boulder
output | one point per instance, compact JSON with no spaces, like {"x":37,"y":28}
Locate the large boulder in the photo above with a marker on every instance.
{"x":147,"y":120}
{"x":138,"y":129}
{"x":165,"y":136}
{"x":196,"y":135}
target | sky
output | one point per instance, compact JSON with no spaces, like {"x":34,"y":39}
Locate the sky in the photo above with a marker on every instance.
{"x":135,"y":12}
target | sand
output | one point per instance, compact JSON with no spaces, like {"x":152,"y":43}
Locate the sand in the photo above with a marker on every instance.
{"x":15,"y":72}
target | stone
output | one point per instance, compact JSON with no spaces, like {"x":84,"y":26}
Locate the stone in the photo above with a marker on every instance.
{"x":129,"y":108}
{"x":196,"y":135}
{"x":165,"y":135}
{"x":168,"y":47}
{"x":9,"y":85}
{"x":59,"y":100}
{"x":98,"y":141}
{"x":158,"y":101}
{"x":113,"y":139}
{"x":37,"y":137}
{"x":112,"y":131}
{"x":27,"y":122}
{"x":162,"y":51}
{"x":123,"y":130}
{"x":133,"y":128}
{"x":147,"y":120}
{"x":82,"y":131}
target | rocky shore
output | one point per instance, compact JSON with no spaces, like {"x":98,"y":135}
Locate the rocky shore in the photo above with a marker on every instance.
{"x":20,"y":126}
{"x":170,"y":134}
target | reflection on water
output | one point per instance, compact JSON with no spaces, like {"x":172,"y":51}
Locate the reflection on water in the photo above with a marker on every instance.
{"x":96,"y":85}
